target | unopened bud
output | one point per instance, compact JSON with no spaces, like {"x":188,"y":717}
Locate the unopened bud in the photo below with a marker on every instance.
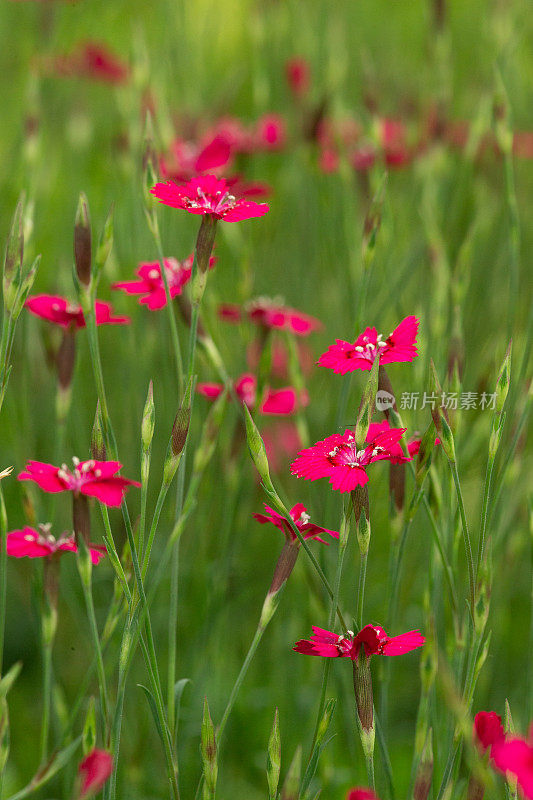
{"x":14,"y":254}
{"x":274,"y":758}
{"x":148,"y":420}
{"x":440,"y":418}
{"x":257,"y":449}
{"x":363,"y":533}
{"x":178,"y":437}
{"x":424,"y":773}
{"x":82,"y":242}
{"x":504,"y":380}
{"x":208,"y":749}
{"x":502,"y":123}
{"x":397,"y":485}
{"x":205,"y":242}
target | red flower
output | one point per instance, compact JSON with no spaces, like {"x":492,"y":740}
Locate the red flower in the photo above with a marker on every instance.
{"x":208,"y":195}
{"x":298,"y":75}
{"x":361,"y":793}
{"x":276,"y":401}
{"x":187,"y":159}
{"x":393,"y":140}
{"x":338,"y":459}
{"x":94,"y":771}
{"x":61,"y":312}
{"x":91,"y":478}
{"x":372,"y":637}
{"x":38,"y":544}
{"x":93,"y":60}
{"x":151,"y":285}
{"x":276,"y":316}
{"x":515,"y":755}
{"x":343,"y":357}
{"x":270,"y":133}
{"x":488,"y":729}
{"x":300,"y":518}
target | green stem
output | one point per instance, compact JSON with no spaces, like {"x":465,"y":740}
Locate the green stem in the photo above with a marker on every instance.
{"x":87,"y":591}
{"x":3,"y":574}
{"x":361,"y":589}
{"x":466,"y":536}
{"x":173,"y":606}
{"x":153,"y":527}
{"x":47,"y":694}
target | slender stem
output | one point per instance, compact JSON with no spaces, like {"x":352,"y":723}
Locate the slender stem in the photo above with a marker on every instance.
{"x":173,"y":606}
{"x":3,"y":574}
{"x":87,"y":591}
{"x":466,"y":536}
{"x":170,"y":311}
{"x":484,"y":513}
{"x":361,"y":589}
{"x":47,"y":695}
{"x":153,"y":527}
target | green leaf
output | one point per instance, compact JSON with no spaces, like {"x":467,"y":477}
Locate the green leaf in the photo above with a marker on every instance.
{"x":9,"y":679}
{"x":153,"y":709}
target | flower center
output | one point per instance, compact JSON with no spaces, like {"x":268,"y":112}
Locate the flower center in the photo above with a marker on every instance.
{"x":368,"y":349}
{"x":346,"y":455}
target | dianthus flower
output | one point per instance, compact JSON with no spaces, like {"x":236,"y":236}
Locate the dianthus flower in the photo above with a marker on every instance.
{"x":488,"y":729}
{"x":207,"y":195}
{"x":93,"y":772}
{"x":64,"y":313}
{"x":361,"y":793}
{"x":272,"y":315}
{"x":91,"y":478}
{"x":298,"y":75}
{"x":300,"y":518}
{"x":31,"y":543}
{"x":343,"y":357}
{"x":276,"y":401}
{"x":338,"y":458}
{"x":372,"y":637}
{"x":151,"y":285}
{"x":270,"y":133}
{"x":515,"y":755}
{"x":396,"y":453}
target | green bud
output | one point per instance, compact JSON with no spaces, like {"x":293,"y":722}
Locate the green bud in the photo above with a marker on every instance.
{"x":82,"y":242}
{"x":208,"y":749}
{"x":504,"y":380}
{"x":148,"y":420}
{"x":508,"y":723}
{"x":89,"y":728}
{"x":498,"y":422}
{"x":85,"y":566}
{"x":363,"y":533}
{"x":291,"y":787}
{"x":270,"y":605}
{"x":14,"y":254}
{"x":178,"y":437}
{"x":257,"y":450}
{"x":439,"y":417}
{"x":274,"y":758}
{"x":205,"y":242}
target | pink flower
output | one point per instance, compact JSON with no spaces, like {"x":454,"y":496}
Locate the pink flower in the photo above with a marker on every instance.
{"x":282,"y":442}
{"x":276,"y":316}
{"x":187,"y":159}
{"x":393,"y":140}
{"x":275,"y":401}
{"x":93,"y":60}
{"x":230,"y":312}
{"x":270,"y":133}
{"x":91,"y":478}
{"x":300,"y":518}
{"x":151,"y":286}
{"x":61,"y":312}
{"x":515,"y":755}
{"x":31,"y":543}
{"x":208,"y":195}
{"x":361,"y":793}
{"x":488,"y":729}
{"x":338,"y":459}
{"x":298,"y":75}
{"x":343,"y":357}
{"x":94,"y":771}
{"x":372,"y":637}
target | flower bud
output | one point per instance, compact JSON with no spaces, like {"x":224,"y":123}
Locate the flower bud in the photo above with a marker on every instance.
{"x":501,"y":117}
{"x":363,"y":533}
{"x":274,"y":758}
{"x":82,"y":242}
{"x":440,"y":418}
{"x":208,"y":749}
{"x":14,"y":254}
{"x":93,"y":772}
{"x":178,"y":437}
{"x":257,"y":450}
{"x":364,"y":698}
{"x":205,"y":242}
{"x":504,"y":380}
{"x":285,"y":565}
{"x":148,"y":420}
{"x":425,"y":454}
{"x":424,"y":774}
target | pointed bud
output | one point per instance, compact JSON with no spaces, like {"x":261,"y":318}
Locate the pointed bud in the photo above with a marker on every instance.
{"x":504,"y":380}
{"x":274,"y":758}
{"x":397,"y":486}
{"x":82,"y":242}
{"x":291,"y":787}
{"x":363,"y":533}
{"x":98,"y":448}
{"x":257,"y":450}
{"x":508,"y":723}
{"x":148,"y":420}
{"x":425,"y":455}
{"x":208,"y":749}
{"x":178,"y":436}
{"x":440,"y":417}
